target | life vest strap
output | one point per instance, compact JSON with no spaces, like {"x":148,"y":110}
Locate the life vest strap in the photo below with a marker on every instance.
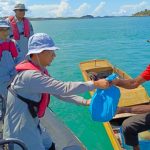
{"x":32,"y":105}
{"x":11,"y":36}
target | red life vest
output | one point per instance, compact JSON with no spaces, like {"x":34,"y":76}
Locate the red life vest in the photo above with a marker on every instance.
{"x":45,"y":99}
{"x":15,"y":30}
{"x":8,"y":46}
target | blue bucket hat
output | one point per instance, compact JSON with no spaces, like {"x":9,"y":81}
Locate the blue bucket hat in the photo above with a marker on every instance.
{"x":40,"y":42}
{"x":4,"y":24}
{"x":104,"y":103}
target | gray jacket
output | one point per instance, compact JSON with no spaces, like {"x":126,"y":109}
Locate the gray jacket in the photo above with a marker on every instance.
{"x":31,"y":84}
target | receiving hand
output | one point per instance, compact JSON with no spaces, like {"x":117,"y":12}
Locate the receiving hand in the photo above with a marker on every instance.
{"x":88,"y":102}
{"x":101,"y":83}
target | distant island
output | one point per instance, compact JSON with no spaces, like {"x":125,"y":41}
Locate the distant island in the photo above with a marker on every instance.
{"x":142,"y":13}
{"x":58,"y":18}
{"x":63,"y":18}
{"x":67,"y":18}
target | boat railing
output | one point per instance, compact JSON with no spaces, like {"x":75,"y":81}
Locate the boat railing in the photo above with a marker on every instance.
{"x":9,"y":143}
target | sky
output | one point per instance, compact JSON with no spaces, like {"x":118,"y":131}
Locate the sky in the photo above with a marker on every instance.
{"x":76,"y":8}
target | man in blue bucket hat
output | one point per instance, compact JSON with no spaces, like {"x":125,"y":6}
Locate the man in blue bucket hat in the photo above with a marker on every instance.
{"x":8,"y":58}
{"x":138,"y":123}
{"x":29,"y":94}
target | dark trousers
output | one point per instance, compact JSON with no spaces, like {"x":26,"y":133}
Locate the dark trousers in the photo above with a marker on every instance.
{"x":133,"y":125}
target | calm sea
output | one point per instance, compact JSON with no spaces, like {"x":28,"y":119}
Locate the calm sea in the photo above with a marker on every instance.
{"x":121,"y":40}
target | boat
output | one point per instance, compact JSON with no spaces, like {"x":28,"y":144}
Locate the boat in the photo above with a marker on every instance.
{"x":138,"y":96}
{"x":64,"y":138}
{"x":61,"y":135}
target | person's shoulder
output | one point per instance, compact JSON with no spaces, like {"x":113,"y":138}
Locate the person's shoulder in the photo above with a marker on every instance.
{"x":31,"y":72}
{"x":27,"y":18}
{"x":38,"y":74}
{"x":34,"y":74}
{"x":27,"y":75}
{"x":9,"y":18}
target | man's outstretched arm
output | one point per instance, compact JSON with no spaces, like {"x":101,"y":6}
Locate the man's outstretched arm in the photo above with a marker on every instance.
{"x":140,"y":109}
{"x":129,"y":83}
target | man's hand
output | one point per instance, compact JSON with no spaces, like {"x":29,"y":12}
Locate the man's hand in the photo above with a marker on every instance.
{"x":101,"y":83}
{"x":87,"y":102}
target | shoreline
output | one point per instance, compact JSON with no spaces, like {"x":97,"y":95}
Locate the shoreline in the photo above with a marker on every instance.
{"x":75,"y":18}
{"x":80,"y":18}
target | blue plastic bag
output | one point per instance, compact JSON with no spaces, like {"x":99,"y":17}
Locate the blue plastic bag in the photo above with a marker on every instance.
{"x":104,"y":103}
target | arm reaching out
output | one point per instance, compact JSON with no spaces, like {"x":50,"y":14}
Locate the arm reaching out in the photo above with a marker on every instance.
{"x":140,"y":109}
{"x":74,"y":99}
{"x":129,"y":83}
{"x":134,"y":83}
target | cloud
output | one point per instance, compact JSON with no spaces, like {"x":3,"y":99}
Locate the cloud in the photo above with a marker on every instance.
{"x":131,"y":9}
{"x":98,"y":9}
{"x":64,"y":9}
{"x":47,"y":10}
{"x":54,"y":10}
{"x":51,"y":10}
{"x":82,"y":10}
{"x":6,"y":6}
